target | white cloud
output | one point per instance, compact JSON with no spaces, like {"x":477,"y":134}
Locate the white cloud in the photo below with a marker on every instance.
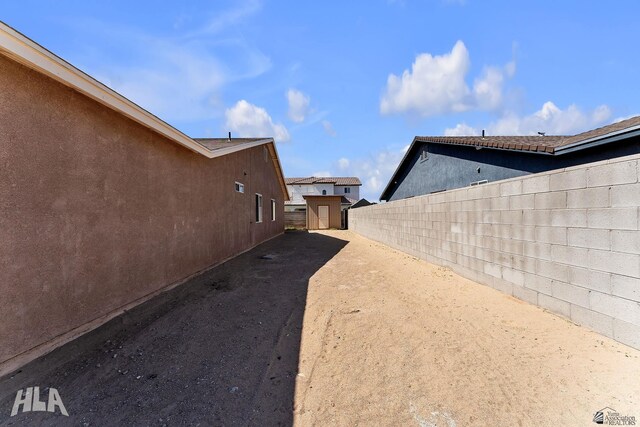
{"x":510,"y":68}
{"x":328,"y":128}
{"x":461,"y":129}
{"x":600,"y":114}
{"x":179,"y":82}
{"x":374,"y":170}
{"x":298,"y":105}
{"x":621,"y":118}
{"x":178,"y":76}
{"x":434,"y":85}
{"x":233,"y":16}
{"x":437,"y":85}
{"x":488,"y":89}
{"x":247,"y":120}
{"x":549,"y":119}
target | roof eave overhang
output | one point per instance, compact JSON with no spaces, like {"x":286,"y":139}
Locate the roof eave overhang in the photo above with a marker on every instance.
{"x":30,"y":54}
{"x":549,"y":151}
{"x":599,"y":140}
{"x":273,"y":151}
{"x":393,"y":176}
{"x":25,"y":51}
{"x":541,"y":150}
{"x":416,"y":139}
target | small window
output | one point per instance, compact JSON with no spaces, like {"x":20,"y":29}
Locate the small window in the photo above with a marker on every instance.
{"x":258,"y":207}
{"x":273,"y":210}
{"x":347,"y":190}
{"x":424,"y":155}
{"x":324,"y":192}
{"x":266,"y":154}
{"x":484,"y":181}
{"x":239,"y":187}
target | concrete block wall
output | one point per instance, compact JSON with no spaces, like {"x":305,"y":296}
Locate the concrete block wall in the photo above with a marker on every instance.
{"x":566,"y":240}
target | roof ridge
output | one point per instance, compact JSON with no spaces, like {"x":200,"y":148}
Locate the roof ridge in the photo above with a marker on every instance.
{"x":335,"y":180}
{"x":539,"y":144}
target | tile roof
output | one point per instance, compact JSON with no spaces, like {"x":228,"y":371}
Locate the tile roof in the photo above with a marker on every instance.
{"x":222,"y":146}
{"x":534,"y":143}
{"x":622,"y":125}
{"x":523,"y":143}
{"x":220,"y":143}
{"x":548,"y":144}
{"x":341,"y":180}
{"x":350,"y":200}
{"x":360,"y":203}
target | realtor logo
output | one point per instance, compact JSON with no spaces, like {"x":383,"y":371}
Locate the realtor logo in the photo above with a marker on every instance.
{"x":598,"y":417}
{"x":609,"y":416}
{"x":30,"y":401}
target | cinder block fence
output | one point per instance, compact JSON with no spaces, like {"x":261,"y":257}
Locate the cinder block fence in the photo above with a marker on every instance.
{"x":566,"y":240}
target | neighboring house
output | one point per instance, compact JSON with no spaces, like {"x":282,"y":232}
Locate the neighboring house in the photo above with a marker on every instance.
{"x":104,"y":205}
{"x":348,"y":187}
{"x":361,"y":203}
{"x":438,"y":163}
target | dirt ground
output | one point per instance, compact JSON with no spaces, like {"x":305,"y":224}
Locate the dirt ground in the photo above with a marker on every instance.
{"x":329,"y":328}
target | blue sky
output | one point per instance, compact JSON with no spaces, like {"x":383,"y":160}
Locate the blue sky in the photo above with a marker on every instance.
{"x":345,"y":86}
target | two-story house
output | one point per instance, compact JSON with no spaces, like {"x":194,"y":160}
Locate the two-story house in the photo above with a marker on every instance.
{"x":347,"y":187}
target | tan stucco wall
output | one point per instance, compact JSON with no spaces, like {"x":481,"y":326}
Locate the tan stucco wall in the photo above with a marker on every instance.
{"x":335,"y":220}
{"x":97,"y":211}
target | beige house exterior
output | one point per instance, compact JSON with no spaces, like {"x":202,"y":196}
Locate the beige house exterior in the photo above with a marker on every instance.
{"x":347,"y":187}
{"x":104,"y":205}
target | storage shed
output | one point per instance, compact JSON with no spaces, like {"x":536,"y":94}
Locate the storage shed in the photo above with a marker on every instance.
{"x":323,"y":212}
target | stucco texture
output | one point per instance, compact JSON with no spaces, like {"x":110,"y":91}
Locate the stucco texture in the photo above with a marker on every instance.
{"x":452,"y":166}
{"x":97,"y":211}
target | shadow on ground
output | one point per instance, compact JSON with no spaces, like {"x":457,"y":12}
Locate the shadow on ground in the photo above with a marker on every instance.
{"x":221,"y":349}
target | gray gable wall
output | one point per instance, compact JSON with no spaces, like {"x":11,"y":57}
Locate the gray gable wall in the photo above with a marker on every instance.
{"x":453,"y":166}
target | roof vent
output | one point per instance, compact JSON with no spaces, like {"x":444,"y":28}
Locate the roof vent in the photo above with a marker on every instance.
{"x":542,"y":133}
{"x":482,"y":133}
{"x":229,"y":136}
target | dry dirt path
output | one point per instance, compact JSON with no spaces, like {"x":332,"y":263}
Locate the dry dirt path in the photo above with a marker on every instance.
{"x":391,"y":340}
{"x":331,"y":329}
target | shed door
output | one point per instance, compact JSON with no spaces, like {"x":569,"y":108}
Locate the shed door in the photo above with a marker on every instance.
{"x":323,"y":217}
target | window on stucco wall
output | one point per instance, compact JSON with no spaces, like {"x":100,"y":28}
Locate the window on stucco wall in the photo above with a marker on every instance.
{"x":258,"y":207}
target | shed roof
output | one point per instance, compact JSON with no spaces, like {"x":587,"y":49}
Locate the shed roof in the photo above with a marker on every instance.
{"x":343,"y":200}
